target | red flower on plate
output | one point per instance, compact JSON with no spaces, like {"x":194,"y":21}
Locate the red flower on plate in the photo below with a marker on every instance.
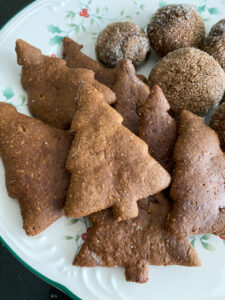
{"x":84,"y":13}
{"x":84,"y":236}
{"x":222,"y":237}
{"x":53,"y":55}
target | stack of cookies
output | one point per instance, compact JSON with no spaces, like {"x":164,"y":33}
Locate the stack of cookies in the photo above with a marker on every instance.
{"x":135,"y":156}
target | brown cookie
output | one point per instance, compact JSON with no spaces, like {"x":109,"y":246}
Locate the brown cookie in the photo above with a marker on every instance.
{"x":175,"y":26}
{"x":157,"y":128}
{"x":131,"y":94}
{"x":190,"y":79}
{"x":198,"y":190}
{"x":34,"y":156}
{"x":218,"y":124}
{"x":121,"y":40}
{"x":109,"y":165}
{"x":52,"y":86}
{"x":215,"y":42}
{"x":76,"y":59}
{"x":135,"y":243}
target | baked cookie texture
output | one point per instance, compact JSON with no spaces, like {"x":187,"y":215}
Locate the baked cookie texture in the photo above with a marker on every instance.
{"x":175,"y":26}
{"x":197,"y":190}
{"x":121,"y":40}
{"x":34,"y":156}
{"x":109,"y":165}
{"x":76,"y":59}
{"x":52,"y":86}
{"x":215,"y":42}
{"x":218,"y":124}
{"x":131,"y":94}
{"x":190,"y":79}
{"x":157,"y":128}
{"x":135,"y":243}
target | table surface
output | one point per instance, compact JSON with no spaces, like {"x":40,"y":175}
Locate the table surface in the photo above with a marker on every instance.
{"x":17,"y":282}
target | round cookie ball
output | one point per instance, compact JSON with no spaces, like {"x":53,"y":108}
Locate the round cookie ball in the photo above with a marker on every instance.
{"x":191,"y":79}
{"x":175,"y":26}
{"x":122,"y":40}
{"x":218,"y":124}
{"x":215,"y":42}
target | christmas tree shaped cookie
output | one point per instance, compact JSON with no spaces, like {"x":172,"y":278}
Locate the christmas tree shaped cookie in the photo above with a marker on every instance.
{"x":135,"y":243}
{"x":198,"y":189}
{"x":157,"y":128}
{"x":34,"y":156}
{"x":52,"y":86}
{"x":109,"y":165}
{"x":76,"y":59}
{"x":131,"y":94}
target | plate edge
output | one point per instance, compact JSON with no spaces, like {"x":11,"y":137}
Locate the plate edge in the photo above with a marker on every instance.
{"x":41,"y":276}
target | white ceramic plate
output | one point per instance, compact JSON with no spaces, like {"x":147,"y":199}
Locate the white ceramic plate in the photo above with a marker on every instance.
{"x":50,"y":254}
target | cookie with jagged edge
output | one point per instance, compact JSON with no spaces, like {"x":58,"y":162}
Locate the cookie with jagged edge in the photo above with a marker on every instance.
{"x":218,"y":124}
{"x":131,"y":94}
{"x":109,"y":165}
{"x":197,"y":190}
{"x":76,"y":59}
{"x":157,"y":128}
{"x":136,"y":243}
{"x":34,"y":156}
{"x":52,"y":86}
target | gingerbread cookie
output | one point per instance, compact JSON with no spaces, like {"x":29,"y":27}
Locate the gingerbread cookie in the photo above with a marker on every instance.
{"x":34,"y":156}
{"x":76,"y":59}
{"x":121,"y":40}
{"x":135,"y":243}
{"x":215,"y":42}
{"x":157,"y":128}
{"x":52,"y":86}
{"x":175,"y":26}
{"x":109,"y":165}
{"x":131,"y":94}
{"x":198,"y":190}
{"x":190,"y":79}
{"x":218,"y":124}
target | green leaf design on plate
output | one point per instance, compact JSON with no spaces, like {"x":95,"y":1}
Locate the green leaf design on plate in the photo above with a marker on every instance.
{"x":162,"y":3}
{"x":77,"y":237}
{"x":122,"y":12}
{"x":205,"y":237}
{"x":193,"y":243}
{"x":54,"y":29}
{"x":200,"y":9}
{"x":56,"y":40}
{"x":214,"y":11}
{"x":97,"y":9}
{"x":8,"y":92}
{"x":207,"y":246}
{"x":142,"y":6}
{"x":73,"y":25}
{"x":73,"y":221}
{"x":89,"y":2}
{"x":23,"y":98}
{"x":68,"y":237}
{"x":224,"y":242}
{"x":70,"y":14}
